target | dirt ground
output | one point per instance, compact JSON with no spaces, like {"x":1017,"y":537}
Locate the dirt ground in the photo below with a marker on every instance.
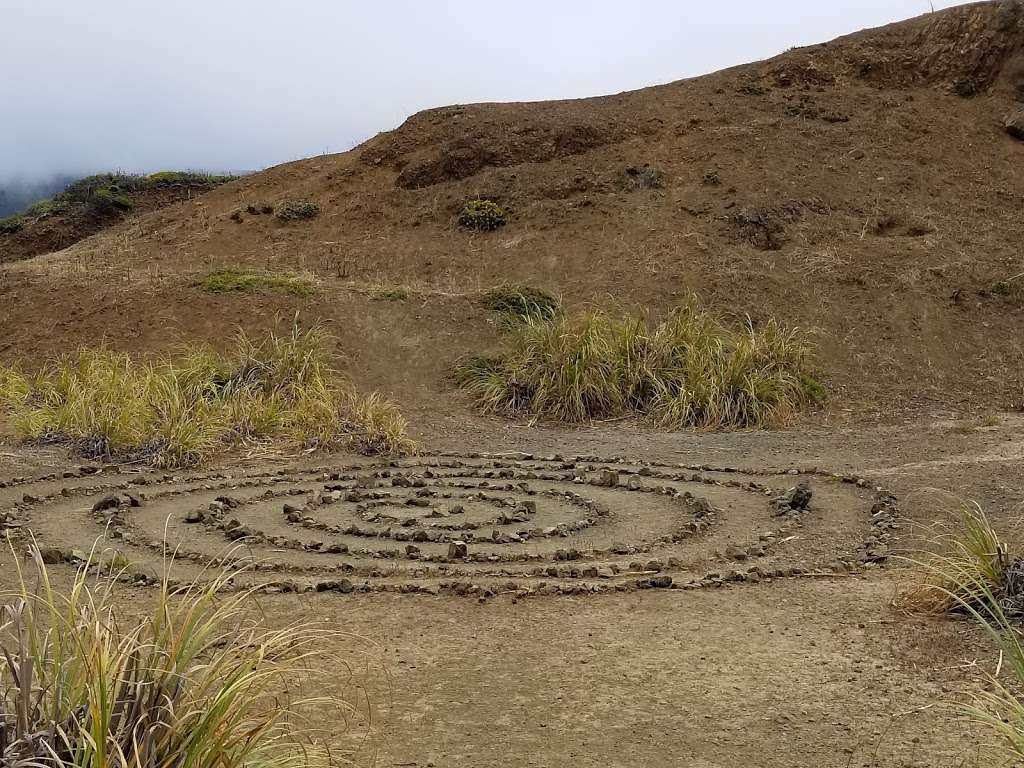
{"x":808,"y":670}
{"x":624,"y":596}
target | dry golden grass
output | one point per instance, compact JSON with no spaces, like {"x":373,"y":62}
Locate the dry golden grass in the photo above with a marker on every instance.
{"x":969,"y":570}
{"x":180,"y":410}
{"x":687,"y":371}
{"x":197,"y":681}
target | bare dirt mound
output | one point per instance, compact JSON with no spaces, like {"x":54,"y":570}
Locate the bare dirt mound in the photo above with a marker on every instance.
{"x":867,"y":187}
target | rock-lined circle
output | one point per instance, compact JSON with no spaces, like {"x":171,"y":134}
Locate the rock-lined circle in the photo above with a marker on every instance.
{"x":473,"y":524}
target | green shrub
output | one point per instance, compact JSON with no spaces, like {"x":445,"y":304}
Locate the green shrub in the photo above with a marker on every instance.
{"x":179,"y":411}
{"x":235,"y":281}
{"x":482,"y":215}
{"x":687,"y":371}
{"x":12,"y":224}
{"x":200,"y":679}
{"x":109,"y":198}
{"x":296,"y":210}
{"x":519,"y":302}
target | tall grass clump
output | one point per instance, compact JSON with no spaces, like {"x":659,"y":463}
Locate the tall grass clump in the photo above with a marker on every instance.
{"x":686,"y":371}
{"x":966,"y":564}
{"x":198,"y":681}
{"x":971,"y":571}
{"x":177,"y":411}
{"x":518,"y":302}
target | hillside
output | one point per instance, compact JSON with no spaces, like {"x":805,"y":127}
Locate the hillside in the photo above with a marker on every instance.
{"x":866,"y":187}
{"x":86,"y":206}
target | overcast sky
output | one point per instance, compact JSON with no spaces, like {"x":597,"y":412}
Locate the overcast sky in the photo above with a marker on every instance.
{"x":141,"y":85}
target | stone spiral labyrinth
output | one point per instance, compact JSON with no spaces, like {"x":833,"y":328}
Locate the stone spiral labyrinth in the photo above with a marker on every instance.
{"x":474,"y":524}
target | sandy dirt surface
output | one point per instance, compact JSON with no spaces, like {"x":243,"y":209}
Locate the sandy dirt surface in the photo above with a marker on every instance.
{"x":813,"y":669}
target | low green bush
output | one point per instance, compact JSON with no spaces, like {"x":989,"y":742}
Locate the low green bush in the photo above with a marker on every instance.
{"x":482,"y":215}
{"x":297,"y":210}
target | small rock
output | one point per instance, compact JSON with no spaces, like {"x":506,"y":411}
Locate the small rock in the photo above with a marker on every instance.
{"x":458,"y":550}
{"x":1014,"y":124}
{"x":52,"y":555}
{"x":656,"y":582}
{"x":107,"y":502}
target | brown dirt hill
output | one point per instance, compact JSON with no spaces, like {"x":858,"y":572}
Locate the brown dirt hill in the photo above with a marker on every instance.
{"x":865,"y":187}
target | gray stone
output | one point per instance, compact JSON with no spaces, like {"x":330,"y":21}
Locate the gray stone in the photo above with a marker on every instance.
{"x":457,"y":550}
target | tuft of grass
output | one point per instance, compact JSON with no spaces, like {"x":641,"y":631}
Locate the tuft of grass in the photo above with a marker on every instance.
{"x":297,"y":210}
{"x":482,"y":215}
{"x":390,"y":294}
{"x":643,"y":177}
{"x":518,"y":302}
{"x":199,"y":680}
{"x":967,"y":563}
{"x":238,"y":281}
{"x":687,"y":371}
{"x":178,"y":411}
{"x":971,"y":572}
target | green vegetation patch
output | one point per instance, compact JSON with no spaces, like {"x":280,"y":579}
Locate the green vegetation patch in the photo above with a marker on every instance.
{"x":519,"y":302}
{"x":686,"y":371}
{"x":235,"y":281}
{"x":180,"y":411}
{"x":107,"y":194}
{"x":186,"y":178}
{"x":297,"y":210}
{"x":482,"y":215}
{"x":390,"y":294}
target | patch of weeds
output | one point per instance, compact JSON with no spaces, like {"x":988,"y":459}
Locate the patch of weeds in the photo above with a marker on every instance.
{"x":297,"y":210}
{"x":194,"y":680}
{"x":235,"y":281}
{"x":966,"y":87}
{"x":12,"y":224}
{"x":765,"y":227}
{"x":390,"y":294}
{"x":258,"y":209}
{"x":968,"y":569}
{"x":519,"y":302}
{"x":687,"y":371}
{"x":482,"y":215}
{"x":109,"y":197}
{"x":187,"y":179}
{"x":181,"y":410}
{"x":644,"y":177}
{"x":711,"y":178}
